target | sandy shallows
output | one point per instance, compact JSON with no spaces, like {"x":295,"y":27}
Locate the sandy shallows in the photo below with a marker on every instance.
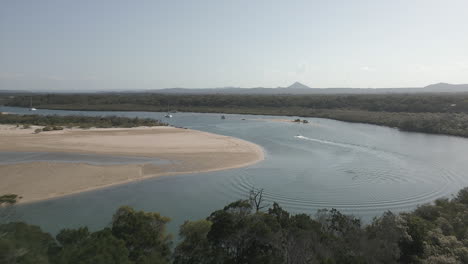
{"x":187,"y":150}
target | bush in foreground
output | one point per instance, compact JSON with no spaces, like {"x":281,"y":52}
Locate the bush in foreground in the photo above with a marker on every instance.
{"x":239,"y":233}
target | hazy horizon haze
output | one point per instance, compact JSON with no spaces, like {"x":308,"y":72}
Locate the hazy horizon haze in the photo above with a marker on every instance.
{"x":122,"y":45}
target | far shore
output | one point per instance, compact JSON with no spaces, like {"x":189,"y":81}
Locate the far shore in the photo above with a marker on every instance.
{"x":189,"y":151}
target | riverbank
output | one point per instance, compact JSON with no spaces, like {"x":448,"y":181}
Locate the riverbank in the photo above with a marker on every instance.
{"x":437,"y":113}
{"x":188,"y":151}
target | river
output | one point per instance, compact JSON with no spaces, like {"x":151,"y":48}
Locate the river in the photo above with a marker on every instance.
{"x":358,"y":169}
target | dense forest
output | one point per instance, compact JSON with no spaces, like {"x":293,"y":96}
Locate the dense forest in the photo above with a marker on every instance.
{"x":430,"y":113}
{"x":246,"y":231}
{"x":415,"y":103}
{"x":77,"y":121}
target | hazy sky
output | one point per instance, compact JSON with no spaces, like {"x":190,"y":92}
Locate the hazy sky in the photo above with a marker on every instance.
{"x":157,"y":44}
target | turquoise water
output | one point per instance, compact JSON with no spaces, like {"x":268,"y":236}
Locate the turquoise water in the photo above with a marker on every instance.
{"x":356,"y":168}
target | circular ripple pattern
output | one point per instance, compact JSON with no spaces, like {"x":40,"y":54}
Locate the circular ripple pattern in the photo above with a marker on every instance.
{"x":389,"y":181}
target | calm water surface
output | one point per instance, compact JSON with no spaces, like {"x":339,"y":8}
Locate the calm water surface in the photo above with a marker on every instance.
{"x":356,"y":168}
{"x":93,"y":159}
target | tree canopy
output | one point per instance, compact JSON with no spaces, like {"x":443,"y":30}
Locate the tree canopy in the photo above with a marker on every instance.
{"x":239,"y":233}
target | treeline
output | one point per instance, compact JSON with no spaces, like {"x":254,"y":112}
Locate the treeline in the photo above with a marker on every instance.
{"x":77,"y":121}
{"x":242,"y":232}
{"x":428,"y":113}
{"x":415,"y":103}
{"x":455,"y":124}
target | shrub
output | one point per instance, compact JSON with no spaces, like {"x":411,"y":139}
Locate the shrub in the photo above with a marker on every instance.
{"x":48,"y":128}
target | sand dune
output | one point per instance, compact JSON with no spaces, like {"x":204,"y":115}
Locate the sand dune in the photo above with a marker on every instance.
{"x":187,"y":150}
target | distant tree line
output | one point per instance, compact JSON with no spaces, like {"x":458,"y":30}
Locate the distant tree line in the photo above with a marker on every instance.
{"x":244,"y":232}
{"x":414,"y":103}
{"x":429,"y":113}
{"x":77,"y":121}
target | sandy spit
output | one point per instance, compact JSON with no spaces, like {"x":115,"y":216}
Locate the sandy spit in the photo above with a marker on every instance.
{"x":188,"y":150}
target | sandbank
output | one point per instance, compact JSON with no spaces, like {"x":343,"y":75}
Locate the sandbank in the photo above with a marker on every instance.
{"x":189,"y":151}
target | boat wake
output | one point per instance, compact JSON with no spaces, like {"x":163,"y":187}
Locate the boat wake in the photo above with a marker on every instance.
{"x":337,"y":144}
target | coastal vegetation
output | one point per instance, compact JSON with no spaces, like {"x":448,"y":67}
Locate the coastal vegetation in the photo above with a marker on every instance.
{"x":56,"y":122}
{"x":443,"y":113}
{"x":246,"y":231}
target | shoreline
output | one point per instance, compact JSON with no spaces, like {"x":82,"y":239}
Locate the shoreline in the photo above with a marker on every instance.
{"x":378,"y":118}
{"x":188,"y":151}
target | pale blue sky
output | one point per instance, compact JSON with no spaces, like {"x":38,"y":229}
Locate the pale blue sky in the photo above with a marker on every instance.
{"x":66,"y":45}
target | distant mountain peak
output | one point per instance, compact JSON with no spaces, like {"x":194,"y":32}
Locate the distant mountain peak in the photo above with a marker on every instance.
{"x":298,"y":85}
{"x":439,"y":84}
{"x":446,"y":87}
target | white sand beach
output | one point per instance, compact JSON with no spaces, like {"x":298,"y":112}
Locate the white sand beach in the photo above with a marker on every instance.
{"x":187,"y":150}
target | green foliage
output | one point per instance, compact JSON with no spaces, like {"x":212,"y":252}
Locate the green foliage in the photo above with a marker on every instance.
{"x":462,"y":196}
{"x":55,"y":122}
{"x":49,"y":128}
{"x":382,"y":239}
{"x":195,"y":245}
{"x":300,"y":237}
{"x":412,"y":248}
{"x":135,"y":237}
{"x":69,"y":237}
{"x":79,"y":246}
{"x":238,"y":233}
{"x":21,"y":243}
{"x":8,"y":199}
{"x":415,"y":103}
{"x":7,"y":209}
{"x":343,"y":234}
{"x":144,"y":234}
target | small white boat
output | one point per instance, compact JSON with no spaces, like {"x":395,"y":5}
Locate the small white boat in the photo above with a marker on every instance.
{"x":30,"y":105}
{"x":168,"y":114}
